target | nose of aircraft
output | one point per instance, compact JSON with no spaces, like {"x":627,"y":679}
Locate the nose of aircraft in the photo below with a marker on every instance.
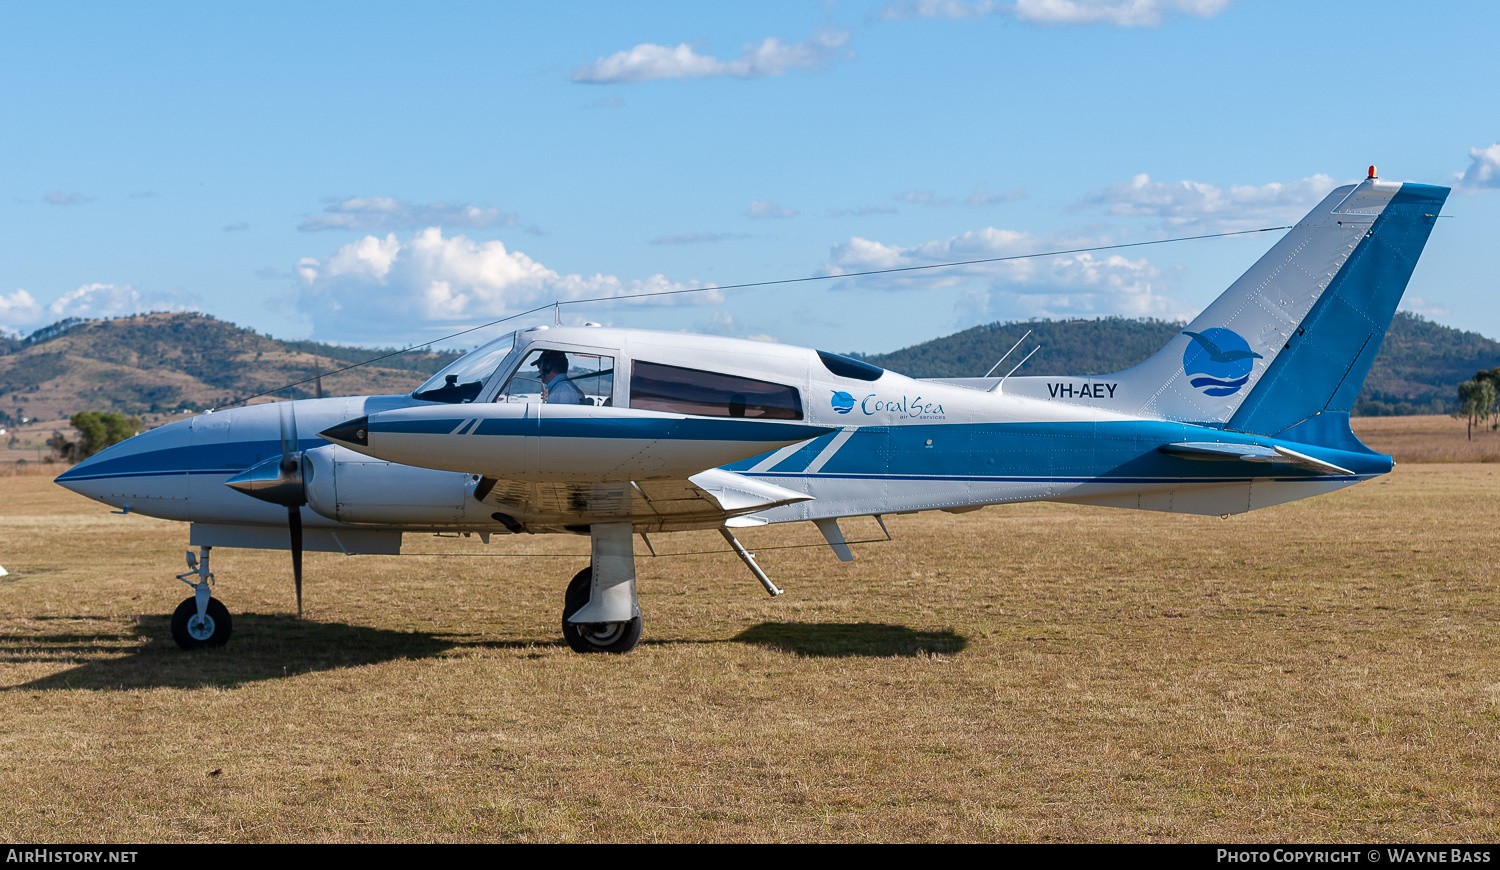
{"x":154,"y":455}
{"x":74,"y":478}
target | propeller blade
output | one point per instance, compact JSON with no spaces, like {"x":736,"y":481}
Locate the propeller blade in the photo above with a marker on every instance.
{"x":291,"y":463}
{"x":288,"y":436}
{"x":294,"y":521}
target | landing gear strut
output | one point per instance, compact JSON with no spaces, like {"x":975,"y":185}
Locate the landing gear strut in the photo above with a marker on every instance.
{"x":600,"y":613}
{"x":200,"y":621}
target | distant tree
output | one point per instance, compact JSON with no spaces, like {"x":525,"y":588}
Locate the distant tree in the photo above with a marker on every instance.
{"x":1476,"y":400}
{"x":96,"y":431}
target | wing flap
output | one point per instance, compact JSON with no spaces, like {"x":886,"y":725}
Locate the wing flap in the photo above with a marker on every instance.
{"x":705,"y":500}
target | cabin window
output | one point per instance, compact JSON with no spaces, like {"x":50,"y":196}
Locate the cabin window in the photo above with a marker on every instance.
{"x":849,"y":367}
{"x":562,"y":377}
{"x":657,"y":387}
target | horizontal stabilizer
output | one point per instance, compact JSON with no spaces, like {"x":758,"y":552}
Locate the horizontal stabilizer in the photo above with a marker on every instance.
{"x":1250,"y":453}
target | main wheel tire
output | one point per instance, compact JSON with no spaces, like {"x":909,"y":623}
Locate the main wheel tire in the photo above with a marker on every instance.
{"x":595,"y":637}
{"x":213,"y":630}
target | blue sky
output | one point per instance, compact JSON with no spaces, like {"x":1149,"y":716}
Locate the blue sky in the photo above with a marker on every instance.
{"x":386,"y":173}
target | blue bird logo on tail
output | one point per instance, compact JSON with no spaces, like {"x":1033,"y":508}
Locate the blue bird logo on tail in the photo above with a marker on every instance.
{"x":1220,"y":359}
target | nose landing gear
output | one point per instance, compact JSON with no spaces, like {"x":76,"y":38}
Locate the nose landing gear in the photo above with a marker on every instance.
{"x":200,"y":621}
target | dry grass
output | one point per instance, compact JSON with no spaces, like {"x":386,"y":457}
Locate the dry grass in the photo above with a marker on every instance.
{"x":32,"y":468}
{"x":1321,"y":671}
{"x":1429,"y":438}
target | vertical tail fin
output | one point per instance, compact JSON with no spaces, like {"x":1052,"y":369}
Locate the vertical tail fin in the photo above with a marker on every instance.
{"x":1323,"y":363}
{"x":1295,"y":335}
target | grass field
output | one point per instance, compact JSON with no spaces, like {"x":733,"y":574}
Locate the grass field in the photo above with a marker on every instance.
{"x":1326,"y":670}
{"x":1431,"y":438}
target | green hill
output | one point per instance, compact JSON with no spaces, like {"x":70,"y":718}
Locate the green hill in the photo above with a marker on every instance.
{"x":161,"y":363}
{"x":1418,"y":370}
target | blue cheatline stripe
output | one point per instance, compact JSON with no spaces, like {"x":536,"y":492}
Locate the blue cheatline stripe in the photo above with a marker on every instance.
{"x":1104,"y":480}
{"x":645,"y":429}
{"x":229,"y":457}
{"x":1326,"y":362}
{"x":430,"y":426}
{"x":1108,"y":450}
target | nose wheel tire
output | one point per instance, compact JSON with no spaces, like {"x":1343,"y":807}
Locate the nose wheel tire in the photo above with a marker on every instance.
{"x":595,"y":637}
{"x":194,"y":632}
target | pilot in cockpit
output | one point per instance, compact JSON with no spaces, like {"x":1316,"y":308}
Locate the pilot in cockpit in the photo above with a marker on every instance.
{"x":552,"y":369}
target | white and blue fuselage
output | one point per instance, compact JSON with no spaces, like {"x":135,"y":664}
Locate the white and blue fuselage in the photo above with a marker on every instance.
{"x":610,"y":432}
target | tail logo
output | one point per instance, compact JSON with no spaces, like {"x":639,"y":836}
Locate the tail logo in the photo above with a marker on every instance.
{"x":1218,"y":360}
{"x":842,"y":402}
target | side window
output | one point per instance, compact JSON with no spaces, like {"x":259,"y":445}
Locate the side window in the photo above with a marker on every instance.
{"x":657,"y":387}
{"x":562,"y":378}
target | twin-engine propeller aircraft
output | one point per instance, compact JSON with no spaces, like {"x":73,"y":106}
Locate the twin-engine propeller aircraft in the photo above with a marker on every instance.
{"x":616,"y":432}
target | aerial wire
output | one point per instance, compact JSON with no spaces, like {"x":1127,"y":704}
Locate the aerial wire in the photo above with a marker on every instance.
{"x":557,"y":304}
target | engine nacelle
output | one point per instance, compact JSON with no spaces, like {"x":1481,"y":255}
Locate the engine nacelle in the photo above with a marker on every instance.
{"x":351,"y":488}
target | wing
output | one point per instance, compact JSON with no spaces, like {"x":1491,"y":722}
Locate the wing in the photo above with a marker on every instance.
{"x":565,"y":467}
{"x":706,"y":500}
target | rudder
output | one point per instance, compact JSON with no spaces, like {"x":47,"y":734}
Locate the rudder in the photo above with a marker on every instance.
{"x":1323,"y":364}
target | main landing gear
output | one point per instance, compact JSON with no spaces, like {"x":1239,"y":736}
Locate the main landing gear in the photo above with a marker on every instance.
{"x":200,"y":621}
{"x":600,"y":611}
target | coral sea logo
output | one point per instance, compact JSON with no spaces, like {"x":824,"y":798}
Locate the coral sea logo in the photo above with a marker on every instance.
{"x":1218,"y":360}
{"x":842,"y":402}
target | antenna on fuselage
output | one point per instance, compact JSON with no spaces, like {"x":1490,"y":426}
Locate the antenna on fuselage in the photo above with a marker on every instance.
{"x":1001,"y":383}
{"x":1007,"y":353}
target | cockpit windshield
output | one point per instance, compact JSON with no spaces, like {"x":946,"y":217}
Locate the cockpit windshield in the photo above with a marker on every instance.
{"x":465,"y":377}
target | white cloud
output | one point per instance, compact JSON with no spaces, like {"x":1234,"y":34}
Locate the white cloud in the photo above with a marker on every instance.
{"x":922,"y":197}
{"x":981,"y":196}
{"x":236,"y":227}
{"x":1419,"y":305}
{"x":1484,"y":168}
{"x":385,"y":213}
{"x":1193,"y":204}
{"x":1065,"y":285}
{"x":760,"y":208}
{"x":57,"y":197}
{"x":19,"y":309}
{"x":724,"y":323}
{"x":97,"y":300}
{"x":958,"y":10}
{"x":1120,"y":13}
{"x":771,"y":57}
{"x":383,"y":288}
{"x":861,"y":211}
{"x":21,"y":312}
{"x":699,"y":238}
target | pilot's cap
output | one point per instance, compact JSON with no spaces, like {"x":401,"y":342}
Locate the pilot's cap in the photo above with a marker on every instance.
{"x":552,"y":361}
